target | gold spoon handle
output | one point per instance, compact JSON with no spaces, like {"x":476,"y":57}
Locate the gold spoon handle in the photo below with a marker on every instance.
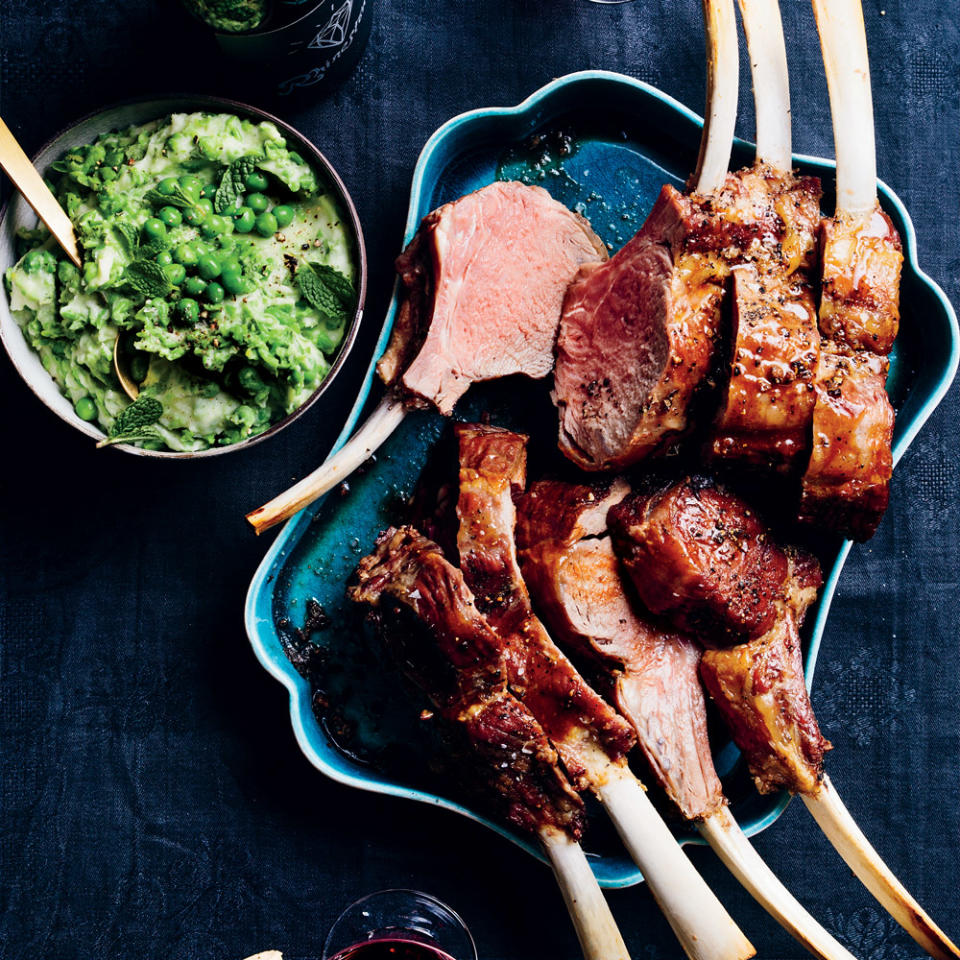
{"x":29,"y":182}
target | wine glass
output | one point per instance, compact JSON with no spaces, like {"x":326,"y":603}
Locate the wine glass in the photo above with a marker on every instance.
{"x":399,"y":925}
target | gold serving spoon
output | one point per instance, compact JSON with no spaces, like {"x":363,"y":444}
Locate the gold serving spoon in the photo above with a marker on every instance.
{"x":127,"y":383}
{"x":28,"y":181}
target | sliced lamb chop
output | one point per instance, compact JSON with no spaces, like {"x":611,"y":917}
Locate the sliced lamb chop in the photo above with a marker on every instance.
{"x":651,"y":672}
{"x":485,"y":277}
{"x":575,"y":578}
{"x":759,"y":688}
{"x":760,"y":685}
{"x":847,"y":481}
{"x":589,"y":735}
{"x":859,"y":314}
{"x":734,"y":583}
{"x":482,"y":286}
{"x":492,"y":464}
{"x":766,"y":404}
{"x":638,"y":333}
{"x":429,"y":621}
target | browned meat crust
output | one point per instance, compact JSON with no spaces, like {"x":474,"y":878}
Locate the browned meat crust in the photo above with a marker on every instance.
{"x":759,"y":688}
{"x":847,"y":482}
{"x":861,"y":258}
{"x":575,"y":717}
{"x":410,"y":325}
{"x":566,"y":512}
{"x":766,"y":407}
{"x":429,"y":620}
{"x":701,"y":557}
{"x":846,"y":486}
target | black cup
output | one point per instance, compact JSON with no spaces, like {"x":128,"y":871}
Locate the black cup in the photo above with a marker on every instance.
{"x":303,"y":48}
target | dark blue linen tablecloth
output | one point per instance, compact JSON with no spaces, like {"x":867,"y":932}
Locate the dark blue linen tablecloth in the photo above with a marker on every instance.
{"x":153,"y":802}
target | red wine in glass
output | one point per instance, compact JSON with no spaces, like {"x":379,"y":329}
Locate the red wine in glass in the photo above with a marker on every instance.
{"x":392,"y":948}
{"x":399,"y":925}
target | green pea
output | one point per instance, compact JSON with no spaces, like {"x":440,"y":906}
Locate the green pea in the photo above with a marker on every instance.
{"x":164,"y":257}
{"x":284,"y":215}
{"x":213,"y":293}
{"x":195,"y":286}
{"x":107,"y":174}
{"x":155,"y":229}
{"x":185,"y":253}
{"x":250,"y":380}
{"x":206,"y":205}
{"x":243,"y":222}
{"x":189,"y":309}
{"x":233,"y":281}
{"x":139,"y":367}
{"x":194,"y":215}
{"x":168,"y":186}
{"x":266,"y":225}
{"x":213,"y":225}
{"x":257,"y":202}
{"x":176,"y":273}
{"x":255,"y":180}
{"x":85,"y":409}
{"x":231,"y":209}
{"x":191,"y":186}
{"x":171,"y":216}
{"x":208,"y":266}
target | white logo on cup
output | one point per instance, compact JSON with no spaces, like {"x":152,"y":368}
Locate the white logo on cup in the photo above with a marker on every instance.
{"x":334,"y":33}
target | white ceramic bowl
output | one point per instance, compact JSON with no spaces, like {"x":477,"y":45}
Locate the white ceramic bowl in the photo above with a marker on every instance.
{"x":18,"y":213}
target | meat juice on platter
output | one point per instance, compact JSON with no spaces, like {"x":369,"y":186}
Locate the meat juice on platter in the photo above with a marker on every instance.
{"x":392,"y":949}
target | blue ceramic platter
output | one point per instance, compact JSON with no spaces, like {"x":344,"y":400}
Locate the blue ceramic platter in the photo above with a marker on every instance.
{"x":609,"y":143}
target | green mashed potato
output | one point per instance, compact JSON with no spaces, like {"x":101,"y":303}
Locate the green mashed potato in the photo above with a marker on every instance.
{"x":216,"y":256}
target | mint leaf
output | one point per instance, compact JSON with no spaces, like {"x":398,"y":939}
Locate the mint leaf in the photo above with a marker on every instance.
{"x":129,"y":237}
{"x":327,"y":290}
{"x":318,"y":294}
{"x":135,"y":422}
{"x":337,"y":283}
{"x":232,"y":183}
{"x":147,"y":278}
{"x":176,"y":199}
